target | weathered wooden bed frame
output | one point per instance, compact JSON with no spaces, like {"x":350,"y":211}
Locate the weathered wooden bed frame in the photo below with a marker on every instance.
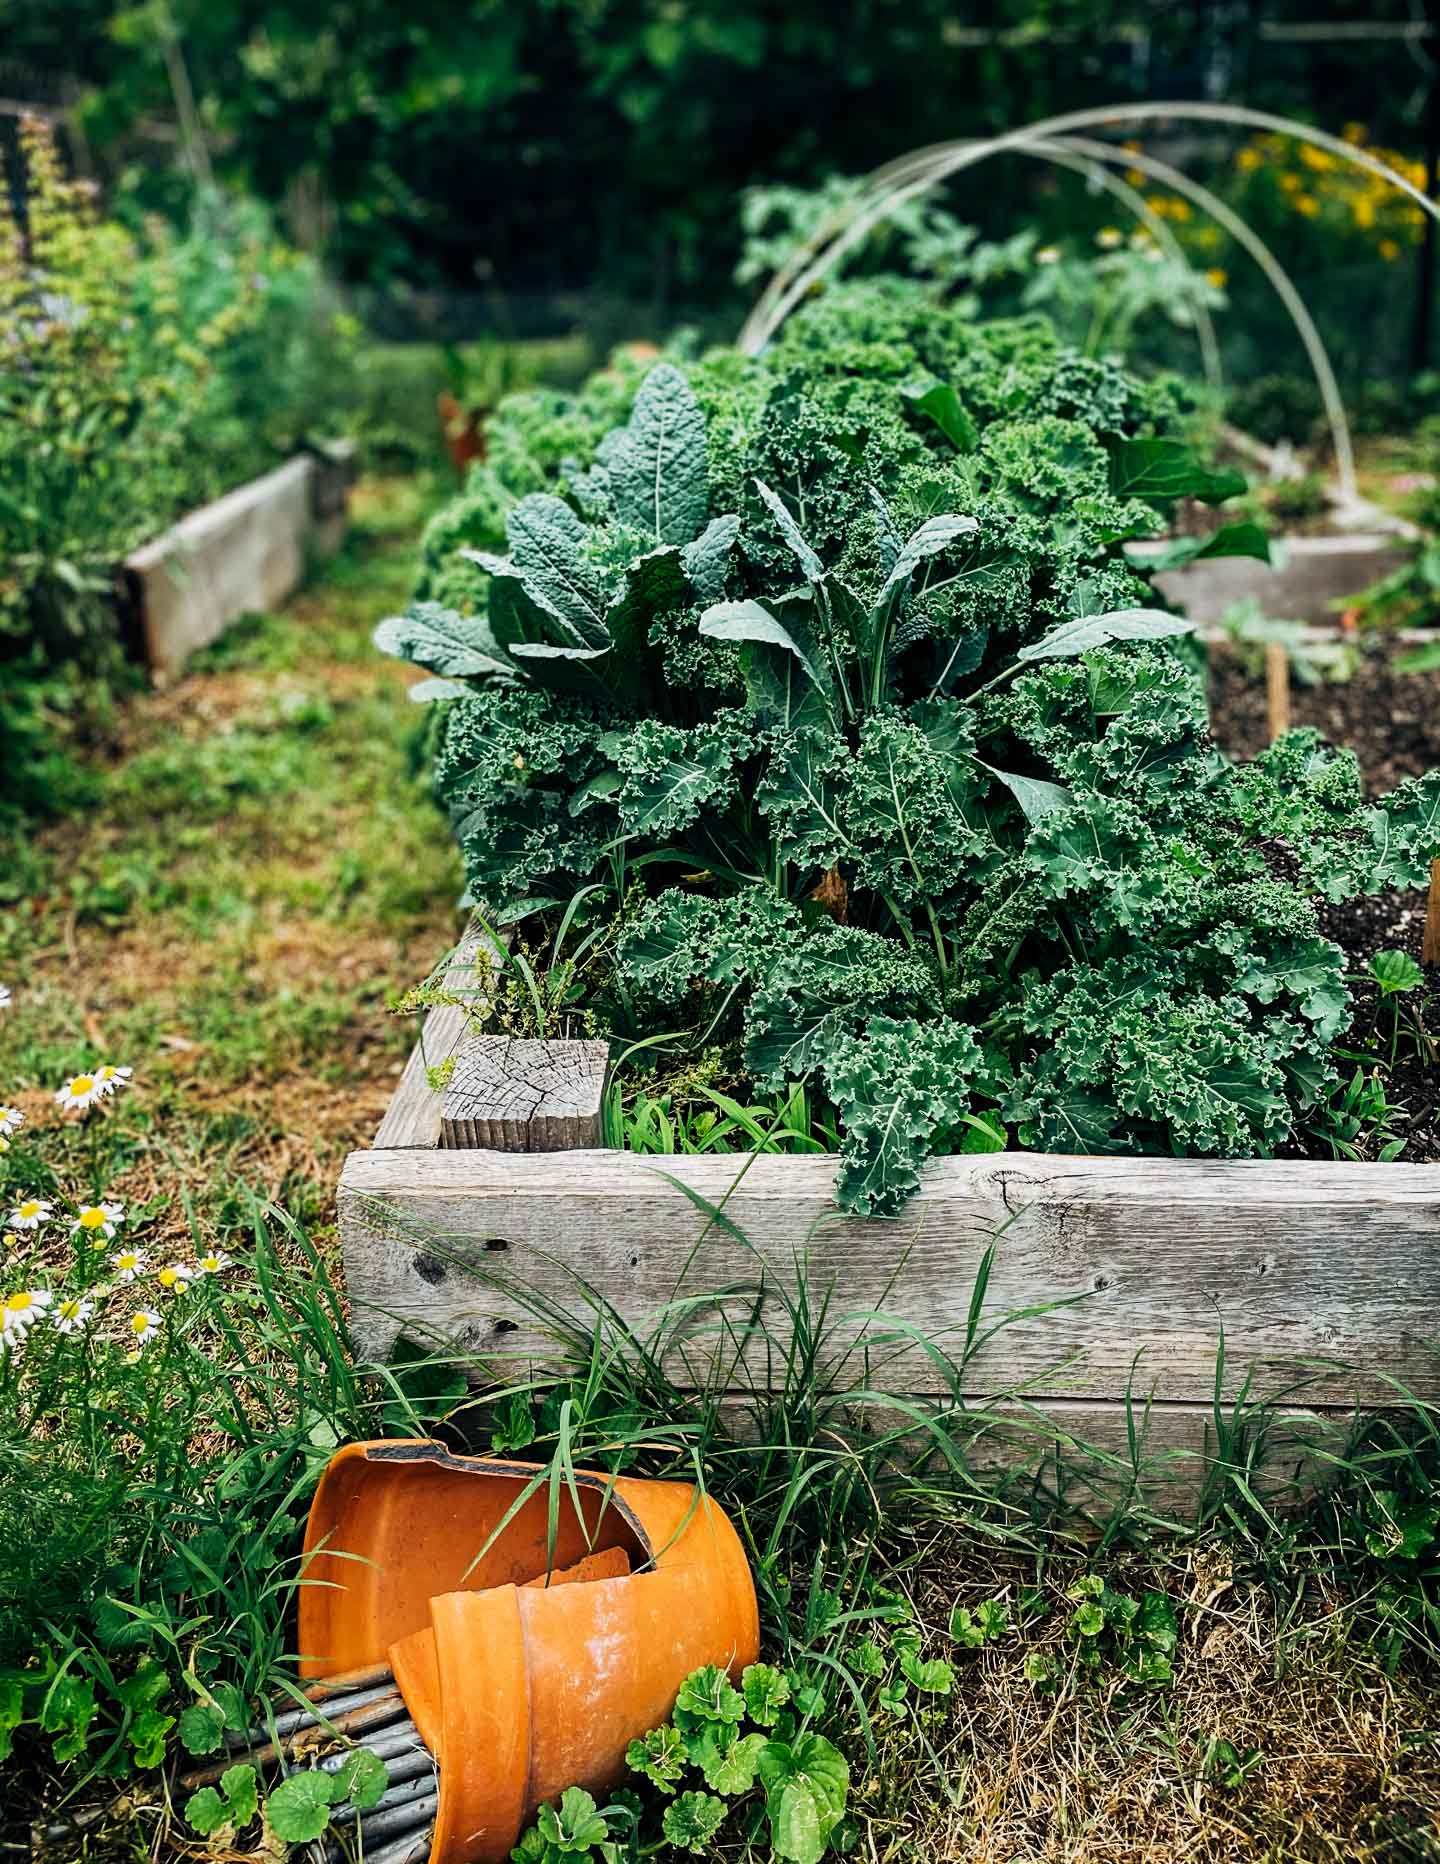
{"x":1322,"y":1280}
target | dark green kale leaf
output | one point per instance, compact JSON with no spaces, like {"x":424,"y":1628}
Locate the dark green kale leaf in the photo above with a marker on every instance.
{"x":904,"y":1091}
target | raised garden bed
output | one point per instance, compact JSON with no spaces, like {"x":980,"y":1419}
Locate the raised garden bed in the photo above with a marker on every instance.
{"x":1322,"y":1280}
{"x":244,"y":552}
{"x":950,"y":851}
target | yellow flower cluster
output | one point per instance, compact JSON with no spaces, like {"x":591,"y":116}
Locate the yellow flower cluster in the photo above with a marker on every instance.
{"x":1344,"y":198}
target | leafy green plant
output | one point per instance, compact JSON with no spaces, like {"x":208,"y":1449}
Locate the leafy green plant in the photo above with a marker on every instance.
{"x":828,"y":676}
{"x":137,"y":381}
{"x":1314,"y":662}
{"x":794,"y":1781}
{"x":1110,"y":1628}
{"x":1227,"y":1766}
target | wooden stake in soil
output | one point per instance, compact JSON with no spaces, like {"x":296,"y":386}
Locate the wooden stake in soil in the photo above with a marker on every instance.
{"x":1430,"y":950}
{"x":1277,"y":688}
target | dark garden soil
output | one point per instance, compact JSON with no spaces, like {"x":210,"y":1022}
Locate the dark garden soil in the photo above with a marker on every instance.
{"x":1392,"y":723}
{"x":1390,"y":720}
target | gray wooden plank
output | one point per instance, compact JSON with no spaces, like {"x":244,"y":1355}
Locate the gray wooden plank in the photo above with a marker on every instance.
{"x":1326,"y":1272}
{"x":1316,"y":572}
{"x":524,"y":1096}
{"x":244,"y":552}
{"x":412,"y":1118}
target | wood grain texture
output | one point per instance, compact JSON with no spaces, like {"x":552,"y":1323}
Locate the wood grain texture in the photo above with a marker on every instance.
{"x":513,"y":1095}
{"x":413,"y":1117}
{"x":1324,"y":1277}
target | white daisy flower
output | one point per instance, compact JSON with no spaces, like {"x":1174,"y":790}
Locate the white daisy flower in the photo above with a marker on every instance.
{"x":176,"y":1277}
{"x":73,"y":1315}
{"x":97,"y":1223}
{"x":1048,"y":255}
{"x":30,"y":1213}
{"x":109,"y":1079}
{"x":144,"y":1325}
{"x":79,"y":1093}
{"x":212,"y":1265}
{"x":4,"y":996}
{"x":1108,"y":238}
{"x":11,"y":1120}
{"x":127,"y":1264}
{"x":20,"y":1312}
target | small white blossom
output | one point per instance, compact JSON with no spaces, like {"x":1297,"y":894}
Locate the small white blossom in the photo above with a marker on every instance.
{"x":73,"y":1315}
{"x":1048,"y":255}
{"x":79,"y":1093}
{"x":144,"y":1325}
{"x":30,"y":1213}
{"x":1108,"y":238}
{"x":11,"y":1120}
{"x":212,"y":1265}
{"x":20,"y":1312}
{"x":176,"y":1277}
{"x":97,"y":1223}
{"x":127,"y":1264}
{"x":110,"y":1079}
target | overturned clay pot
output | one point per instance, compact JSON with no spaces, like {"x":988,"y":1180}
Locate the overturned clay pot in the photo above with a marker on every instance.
{"x":525,"y":1667}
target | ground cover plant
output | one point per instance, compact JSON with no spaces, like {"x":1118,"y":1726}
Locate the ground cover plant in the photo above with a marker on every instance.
{"x":817,"y":699}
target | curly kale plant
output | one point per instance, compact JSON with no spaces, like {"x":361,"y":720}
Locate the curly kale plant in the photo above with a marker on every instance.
{"x":832,"y":669}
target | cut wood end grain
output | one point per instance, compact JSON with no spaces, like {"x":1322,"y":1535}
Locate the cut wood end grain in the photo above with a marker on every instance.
{"x":513,"y":1095}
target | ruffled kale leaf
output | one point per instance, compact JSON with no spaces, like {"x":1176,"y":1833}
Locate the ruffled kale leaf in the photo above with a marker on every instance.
{"x":824,"y":987}
{"x":904,"y":1091}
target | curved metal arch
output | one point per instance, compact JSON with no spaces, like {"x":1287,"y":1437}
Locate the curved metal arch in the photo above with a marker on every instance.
{"x":792,"y":282}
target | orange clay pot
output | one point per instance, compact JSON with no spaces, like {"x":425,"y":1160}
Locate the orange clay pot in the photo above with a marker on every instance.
{"x":524,"y":1673}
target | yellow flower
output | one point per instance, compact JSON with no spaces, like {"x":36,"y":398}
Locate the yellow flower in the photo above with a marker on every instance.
{"x":144,"y":1325}
{"x":1218,"y":277}
{"x":1363,"y":208}
{"x":1389,"y":249}
{"x":1307,"y":204}
{"x":176,"y":1277}
{"x":12,"y":1241}
{"x":1249,"y":158}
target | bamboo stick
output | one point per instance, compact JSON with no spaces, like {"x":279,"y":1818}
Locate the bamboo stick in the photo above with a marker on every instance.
{"x":1277,"y":689}
{"x":1430,"y":950}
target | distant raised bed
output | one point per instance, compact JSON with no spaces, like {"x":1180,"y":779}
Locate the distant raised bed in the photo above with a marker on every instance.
{"x":1322,"y":1279}
{"x":243,"y":553}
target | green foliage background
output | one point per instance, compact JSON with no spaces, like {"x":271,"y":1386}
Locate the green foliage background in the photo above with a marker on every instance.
{"x":600,"y":145}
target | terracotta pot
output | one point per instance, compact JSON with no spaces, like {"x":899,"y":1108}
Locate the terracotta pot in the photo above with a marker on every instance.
{"x":523,"y":1674}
